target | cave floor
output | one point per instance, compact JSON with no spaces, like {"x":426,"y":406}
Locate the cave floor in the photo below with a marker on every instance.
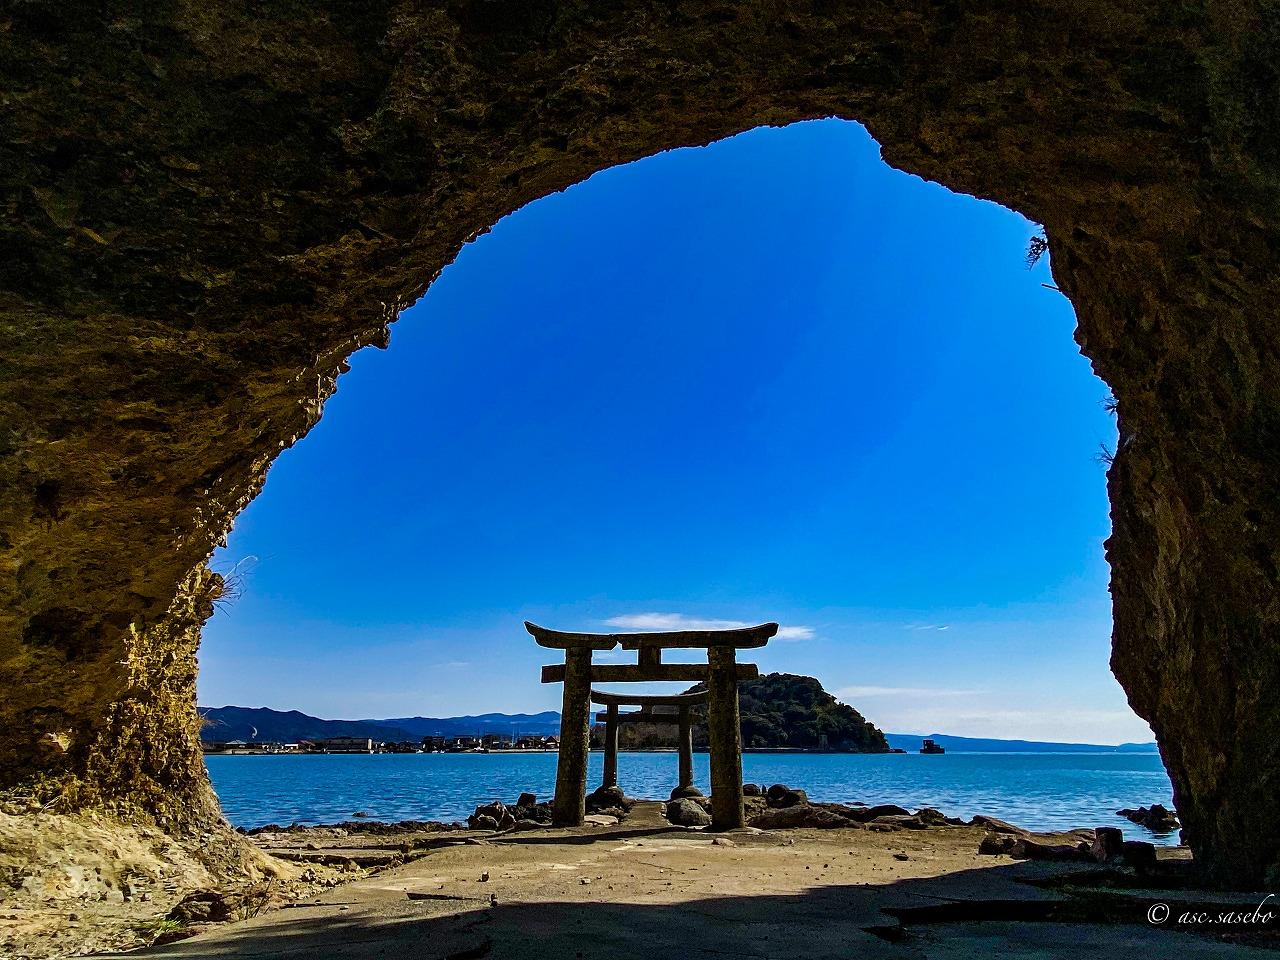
{"x":649,"y":891}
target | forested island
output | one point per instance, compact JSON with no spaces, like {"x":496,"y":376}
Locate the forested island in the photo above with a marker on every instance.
{"x":779,"y":710}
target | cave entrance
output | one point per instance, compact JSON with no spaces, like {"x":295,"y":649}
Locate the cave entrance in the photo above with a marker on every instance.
{"x":776,"y":340}
{"x":202,"y":235}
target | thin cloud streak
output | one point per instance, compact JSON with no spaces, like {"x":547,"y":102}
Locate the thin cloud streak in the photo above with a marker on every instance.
{"x":678,"y":621}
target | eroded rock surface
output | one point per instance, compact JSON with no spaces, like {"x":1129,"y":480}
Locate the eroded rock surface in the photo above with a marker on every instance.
{"x":209,"y":206}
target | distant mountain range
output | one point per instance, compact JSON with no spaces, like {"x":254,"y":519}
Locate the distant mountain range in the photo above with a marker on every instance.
{"x":911,"y":743}
{"x":545,"y":723}
{"x":277,"y":726}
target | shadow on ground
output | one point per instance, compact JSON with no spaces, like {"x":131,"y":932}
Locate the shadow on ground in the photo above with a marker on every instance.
{"x":968,"y":914}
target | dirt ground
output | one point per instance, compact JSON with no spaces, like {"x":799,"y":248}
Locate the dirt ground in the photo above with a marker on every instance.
{"x":647,"y":889}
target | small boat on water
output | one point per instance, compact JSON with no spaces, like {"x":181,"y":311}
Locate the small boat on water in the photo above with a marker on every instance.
{"x":929,"y":746}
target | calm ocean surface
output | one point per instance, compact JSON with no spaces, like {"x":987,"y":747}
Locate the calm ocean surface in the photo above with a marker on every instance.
{"x":1040,"y":791}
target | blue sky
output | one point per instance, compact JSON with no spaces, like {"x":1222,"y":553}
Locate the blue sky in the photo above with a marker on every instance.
{"x":769,"y":379}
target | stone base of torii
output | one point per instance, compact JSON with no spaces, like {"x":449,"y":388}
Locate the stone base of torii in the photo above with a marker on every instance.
{"x":721,"y":673}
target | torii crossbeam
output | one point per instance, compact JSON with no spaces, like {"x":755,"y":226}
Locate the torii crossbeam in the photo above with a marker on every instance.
{"x":721,"y":673}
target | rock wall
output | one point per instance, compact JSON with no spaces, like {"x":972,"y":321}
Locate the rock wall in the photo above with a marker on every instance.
{"x":210,"y":205}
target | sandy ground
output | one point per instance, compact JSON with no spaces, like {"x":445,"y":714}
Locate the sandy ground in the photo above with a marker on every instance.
{"x":645,"y":889}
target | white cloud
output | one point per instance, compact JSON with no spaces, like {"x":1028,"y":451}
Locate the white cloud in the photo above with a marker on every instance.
{"x":846,"y":693}
{"x":928,"y":626}
{"x":678,"y":621}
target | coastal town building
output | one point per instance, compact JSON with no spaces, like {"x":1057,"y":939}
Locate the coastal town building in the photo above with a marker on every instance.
{"x":537,"y":743}
{"x":345,"y":745}
{"x":246,"y":746}
{"x":432,"y":744}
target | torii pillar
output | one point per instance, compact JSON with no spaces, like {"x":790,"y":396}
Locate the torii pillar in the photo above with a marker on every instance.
{"x":610,"y":778}
{"x":569,"y":807}
{"x":724,"y":731}
{"x":685,"y":788}
{"x":670,"y":709}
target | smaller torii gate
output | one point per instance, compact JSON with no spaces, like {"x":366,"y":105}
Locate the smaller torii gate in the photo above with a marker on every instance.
{"x":653,"y":709}
{"x":721,"y":673}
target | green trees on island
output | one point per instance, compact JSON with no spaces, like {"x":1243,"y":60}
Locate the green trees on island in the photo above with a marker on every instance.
{"x":778,"y":710}
{"x":785,"y":710}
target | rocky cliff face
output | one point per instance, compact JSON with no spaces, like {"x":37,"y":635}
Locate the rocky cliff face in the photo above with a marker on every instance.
{"x":210,"y":205}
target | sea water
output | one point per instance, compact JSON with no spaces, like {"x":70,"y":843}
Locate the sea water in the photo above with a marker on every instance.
{"x":1039,"y":791}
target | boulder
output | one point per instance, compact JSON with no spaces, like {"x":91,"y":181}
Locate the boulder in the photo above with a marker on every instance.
{"x":905,"y":822}
{"x":996,"y":826}
{"x":608,"y":799}
{"x":777,"y":790}
{"x":936,"y":818}
{"x":851,"y":810}
{"x":867,"y":814}
{"x":684,"y":812}
{"x":1028,"y":849}
{"x":1108,"y":844}
{"x":1157,"y":818}
{"x":1139,"y":854}
{"x":495,"y":811}
{"x":203,"y":906}
{"x":539,"y":812}
{"x":212,"y":906}
{"x":780,"y":795}
{"x":800,"y":815}
{"x":527,"y":800}
{"x":689,"y":791}
{"x":995,"y":844}
{"x":751,"y":790}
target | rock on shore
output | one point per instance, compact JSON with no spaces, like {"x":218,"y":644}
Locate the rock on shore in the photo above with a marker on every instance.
{"x":1157,"y":818}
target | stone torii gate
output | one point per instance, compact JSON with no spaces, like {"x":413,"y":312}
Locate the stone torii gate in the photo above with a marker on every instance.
{"x":721,"y":673}
{"x":674,"y":708}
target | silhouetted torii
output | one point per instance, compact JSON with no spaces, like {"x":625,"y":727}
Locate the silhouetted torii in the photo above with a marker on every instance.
{"x":721,"y":673}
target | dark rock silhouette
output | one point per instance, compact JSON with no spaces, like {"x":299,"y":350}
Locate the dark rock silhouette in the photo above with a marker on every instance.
{"x":1157,"y":818}
{"x":1108,"y":844}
